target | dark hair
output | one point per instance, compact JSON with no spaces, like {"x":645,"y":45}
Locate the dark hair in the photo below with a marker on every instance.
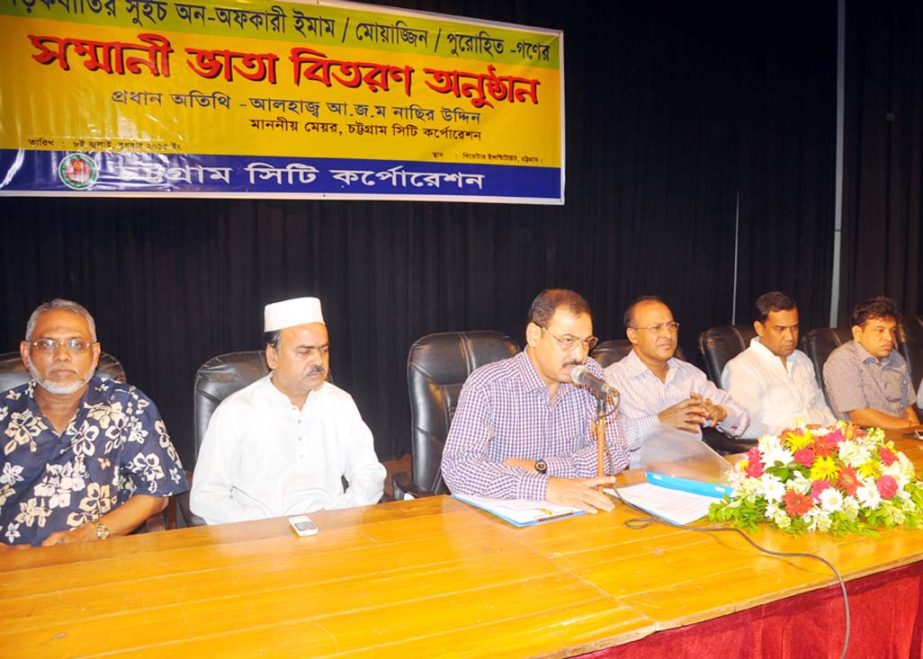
{"x":272,"y":338}
{"x":877,"y":307}
{"x":551,"y":299}
{"x":629,"y":316}
{"x":768,"y":303}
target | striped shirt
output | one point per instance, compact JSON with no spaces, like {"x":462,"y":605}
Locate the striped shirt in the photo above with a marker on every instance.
{"x":643,"y":396}
{"x":504,"y":412}
{"x":855,"y":379}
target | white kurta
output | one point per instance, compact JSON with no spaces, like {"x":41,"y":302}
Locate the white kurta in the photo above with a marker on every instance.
{"x":263,"y":457}
{"x":774,"y":395}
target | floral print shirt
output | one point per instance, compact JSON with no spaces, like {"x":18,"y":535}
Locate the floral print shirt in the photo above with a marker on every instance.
{"x":116,"y":446}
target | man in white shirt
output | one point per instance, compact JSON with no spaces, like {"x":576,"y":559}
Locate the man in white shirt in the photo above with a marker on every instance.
{"x":657,"y":389}
{"x":285,"y":444}
{"x":772,"y":379}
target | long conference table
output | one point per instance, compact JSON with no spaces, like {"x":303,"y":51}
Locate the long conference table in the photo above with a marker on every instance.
{"x":435,"y":577}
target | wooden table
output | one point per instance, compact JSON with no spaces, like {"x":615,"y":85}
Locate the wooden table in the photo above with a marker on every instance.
{"x":407,"y":579}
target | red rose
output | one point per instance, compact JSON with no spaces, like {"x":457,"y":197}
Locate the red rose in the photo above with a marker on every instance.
{"x":887,"y":487}
{"x":796,"y":504}
{"x":817,"y":487}
{"x":754,"y":464}
{"x":886,"y":456}
{"x":805,"y":456}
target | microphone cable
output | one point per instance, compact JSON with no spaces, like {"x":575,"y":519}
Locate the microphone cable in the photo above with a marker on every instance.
{"x":650,"y":518}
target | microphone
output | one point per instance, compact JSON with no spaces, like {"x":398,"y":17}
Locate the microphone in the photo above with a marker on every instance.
{"x":599,"y":387}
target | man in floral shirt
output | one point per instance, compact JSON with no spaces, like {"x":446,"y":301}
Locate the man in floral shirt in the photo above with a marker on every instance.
{"x":81,"y":458}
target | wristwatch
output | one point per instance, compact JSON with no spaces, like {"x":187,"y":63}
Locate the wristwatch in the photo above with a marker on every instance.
{"x":541,"y":466}
{"x":102,"y":531}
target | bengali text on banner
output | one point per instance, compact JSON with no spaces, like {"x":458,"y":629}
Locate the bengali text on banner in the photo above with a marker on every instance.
{"x":277,"y":99}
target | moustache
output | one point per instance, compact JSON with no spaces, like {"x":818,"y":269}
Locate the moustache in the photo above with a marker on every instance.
{"x":317,"y":369}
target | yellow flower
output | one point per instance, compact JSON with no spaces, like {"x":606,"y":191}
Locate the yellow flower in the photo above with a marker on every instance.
{"x":825,"y":469}
{"x":870,"y":469}
{"x":797,"y":440}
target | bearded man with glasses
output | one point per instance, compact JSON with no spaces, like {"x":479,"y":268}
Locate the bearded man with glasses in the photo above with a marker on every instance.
{"x":523,"y":429}
{"x":657,"y":389}
{"x":83,"y":458}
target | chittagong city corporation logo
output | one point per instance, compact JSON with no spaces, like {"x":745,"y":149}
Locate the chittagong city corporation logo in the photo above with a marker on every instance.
{"x":78,"y":171}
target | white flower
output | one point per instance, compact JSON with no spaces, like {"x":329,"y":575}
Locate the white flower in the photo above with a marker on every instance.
{"x":782,"y":520}
{"x":817,"y":520}
{"x":850,"y":507}
{"x":868,"y":496}
{"x":773,"y":487}
{"x":12,"y":532}
{"x":773,"y":452}
{"x":831,"y":500}
{"x":854,"y":454}
{"x":800,"y":483}
{"x":11,"y":474}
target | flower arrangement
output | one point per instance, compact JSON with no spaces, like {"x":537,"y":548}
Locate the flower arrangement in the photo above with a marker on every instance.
{"x":839,"y":479}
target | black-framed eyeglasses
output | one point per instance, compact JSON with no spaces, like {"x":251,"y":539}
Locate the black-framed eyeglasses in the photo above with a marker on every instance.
{"x":671,"y":327}
{"x":567,"y":342}
{"x":71,"y":345}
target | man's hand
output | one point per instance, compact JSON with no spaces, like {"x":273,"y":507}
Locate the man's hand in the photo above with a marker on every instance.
{"x":687,"y":415}
{"x":714,"y":414}
{"x":4,"y":547}
{"x":79,"y":534}
{"x":580,"y":493}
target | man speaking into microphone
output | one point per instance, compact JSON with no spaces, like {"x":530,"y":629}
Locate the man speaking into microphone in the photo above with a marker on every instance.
{"x":523,"y":429}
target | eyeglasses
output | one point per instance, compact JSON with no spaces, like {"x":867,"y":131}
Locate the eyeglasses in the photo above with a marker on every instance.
{"x":72,"y":345}
{"x":568,"y":342}
{"x":671,"y":327}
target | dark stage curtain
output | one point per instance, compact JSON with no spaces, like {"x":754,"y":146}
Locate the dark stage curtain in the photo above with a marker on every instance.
{"x":671,"y":111}
{"x":883,"y":168}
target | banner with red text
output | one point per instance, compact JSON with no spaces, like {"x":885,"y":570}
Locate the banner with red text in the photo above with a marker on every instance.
{"x":277,"y":99}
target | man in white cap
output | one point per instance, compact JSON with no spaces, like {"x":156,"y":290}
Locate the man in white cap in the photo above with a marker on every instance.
{"x":291,"y":442}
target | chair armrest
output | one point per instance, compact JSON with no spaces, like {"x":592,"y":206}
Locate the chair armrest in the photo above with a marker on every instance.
{"x":726,"y":445}
{"x":182,"y":502}
{"x":401,"y":485}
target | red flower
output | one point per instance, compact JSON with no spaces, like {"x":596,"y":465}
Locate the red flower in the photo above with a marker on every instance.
{"x":796,"y":504}
{"x":886,"y":456}
{"x":817,"y":487}
{"x":754,"y":464}
{"x":848,"y":481}
{"x":887,"y":487}
{"x":825,"y":446}
{"x":805,"y":456}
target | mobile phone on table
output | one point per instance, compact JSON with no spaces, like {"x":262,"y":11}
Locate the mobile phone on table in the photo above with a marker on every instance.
{"x":302,"y":525}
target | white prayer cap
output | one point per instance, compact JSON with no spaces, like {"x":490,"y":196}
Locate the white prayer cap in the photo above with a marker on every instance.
{"x":288,"y":313}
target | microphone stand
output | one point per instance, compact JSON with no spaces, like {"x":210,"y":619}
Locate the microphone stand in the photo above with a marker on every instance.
{"x":600,"y":428}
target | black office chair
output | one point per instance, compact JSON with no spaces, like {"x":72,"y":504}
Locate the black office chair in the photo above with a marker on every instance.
{"x":215,"y":380}
{"x":437,"y":367}
{"x":912,"y":347}
{"x":819,"y":343}
{"x":13,"y":372}
{"x":719,"y":345}
{"x":614,"y":350}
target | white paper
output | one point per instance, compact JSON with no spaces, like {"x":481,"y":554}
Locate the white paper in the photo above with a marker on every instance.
{"x":520,"y":511}
{"x":674,"y":505}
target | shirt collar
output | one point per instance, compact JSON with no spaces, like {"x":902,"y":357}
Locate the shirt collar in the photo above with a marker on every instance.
{"x":635,"y":368}
{"x":865,"y":356}
{"x":766,"y":353}
{"x":528,"y":373}
{"x":280,"y":398}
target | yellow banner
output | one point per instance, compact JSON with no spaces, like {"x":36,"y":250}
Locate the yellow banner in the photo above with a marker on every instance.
{"x":277,"y":99}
